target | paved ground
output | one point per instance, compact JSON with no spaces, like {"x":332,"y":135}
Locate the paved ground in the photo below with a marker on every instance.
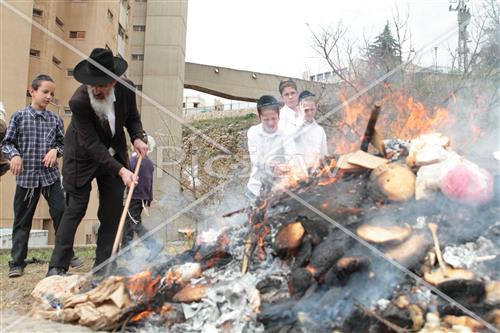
{"x":11,"y":322}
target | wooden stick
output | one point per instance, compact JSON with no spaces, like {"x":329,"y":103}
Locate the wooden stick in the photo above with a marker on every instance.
{"x":433,"y":228}
{"x":370,"y":127}
{"x":119,"y":233}
{"x":238,"y":211}
{"x":246,"y":253}
{"x":386,"y":322}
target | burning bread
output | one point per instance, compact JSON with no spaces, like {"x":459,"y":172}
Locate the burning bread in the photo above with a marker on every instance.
{"x":289,"y":238}
{"x":395,"y":181}
{"x":427,"y":149}
{"x":380,"y":235}
{"x":410,"y":250}
{"x":436,"y":277}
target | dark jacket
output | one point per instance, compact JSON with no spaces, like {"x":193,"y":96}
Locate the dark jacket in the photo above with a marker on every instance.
{"x":88,"y":139}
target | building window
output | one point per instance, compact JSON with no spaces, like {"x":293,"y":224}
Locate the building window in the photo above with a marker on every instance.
{"x":77,"y":34}
{"x":35,"y":53}
{"x":139,"y":28}
{"x":319,"y":77}
{"x":327,"y":75}
{"x":137,"y":56}
{"x":67,"y":111}
{"x":311,"y":77}
{"x":59,"y":23}
{"x":37,"y":12}
{"x":121,"y":31}
{"x":138,"y":87}
{"x":69,"y":72}
{"x":56,"y":61}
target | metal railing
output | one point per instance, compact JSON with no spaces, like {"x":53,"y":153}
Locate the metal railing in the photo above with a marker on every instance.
{"x":188,"y":112}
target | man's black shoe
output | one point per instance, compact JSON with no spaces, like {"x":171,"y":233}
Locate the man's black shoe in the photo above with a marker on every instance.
{"x":56,"y":271}
{"x":76,"y":262}
{"x":16,"y":271}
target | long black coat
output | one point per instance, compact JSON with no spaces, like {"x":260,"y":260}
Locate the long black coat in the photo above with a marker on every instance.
{"x":88,"y":139}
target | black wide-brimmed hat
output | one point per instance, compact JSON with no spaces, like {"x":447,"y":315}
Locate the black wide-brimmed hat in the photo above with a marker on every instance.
{"x":88,"y":73}
{"x":305,"y":94}
{"x":267,"y":101}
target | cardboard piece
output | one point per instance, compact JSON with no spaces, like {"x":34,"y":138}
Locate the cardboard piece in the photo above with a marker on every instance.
{"x":365,"y":160}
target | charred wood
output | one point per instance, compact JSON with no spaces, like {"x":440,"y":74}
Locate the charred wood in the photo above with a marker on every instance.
{"x":349,"y":265}
{"x":268,"y":284}
{"x":326,"y":254}
{"x":317,"y":229}
{"x":370,"y":127}
{"x":300,"y":280}
{"x":304,"y":254}
{"x":398,"y":316}
{"x":464,"y":291}
{"x":278,"y":315}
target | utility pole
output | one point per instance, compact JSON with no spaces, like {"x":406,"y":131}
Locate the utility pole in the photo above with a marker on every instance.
{"x":463,"y":18}
{"x":435,"y":59}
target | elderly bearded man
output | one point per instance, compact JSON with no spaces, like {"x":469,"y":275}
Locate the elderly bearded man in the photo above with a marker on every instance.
{"x":95,"y":148}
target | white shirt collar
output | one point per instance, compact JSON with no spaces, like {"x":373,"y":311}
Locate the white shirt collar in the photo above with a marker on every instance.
{"x":263,"y":133}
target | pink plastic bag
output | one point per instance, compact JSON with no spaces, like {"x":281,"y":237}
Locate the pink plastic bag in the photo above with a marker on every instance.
{"x":468,"y":184}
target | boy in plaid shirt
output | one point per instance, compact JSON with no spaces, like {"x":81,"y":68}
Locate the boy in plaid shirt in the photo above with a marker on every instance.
{"x":32,"y":143}
{"x":4,"y":163}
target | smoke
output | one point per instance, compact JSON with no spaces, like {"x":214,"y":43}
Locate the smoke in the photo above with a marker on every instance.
{"x":229,"y":200}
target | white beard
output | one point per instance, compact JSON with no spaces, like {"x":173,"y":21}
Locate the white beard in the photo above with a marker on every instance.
{"x":101,"y":106}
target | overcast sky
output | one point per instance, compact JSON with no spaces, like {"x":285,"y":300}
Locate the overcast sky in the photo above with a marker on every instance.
{"x":271,"y":36}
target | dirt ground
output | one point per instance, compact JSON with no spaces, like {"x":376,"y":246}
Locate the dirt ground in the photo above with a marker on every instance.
{"x":15,"y":292}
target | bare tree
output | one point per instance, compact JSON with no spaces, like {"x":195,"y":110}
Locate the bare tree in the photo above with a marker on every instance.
{"x":334,"y":46}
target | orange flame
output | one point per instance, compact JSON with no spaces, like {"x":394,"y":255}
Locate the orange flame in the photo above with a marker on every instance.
{"x":328,"y":181}
{"x":291,"y":178}
{"x":412,"y":118}
{"x":401,"y":117}
{"x":142,"y":285}
{"x":141,"y":315}
{"x":311,"y":270}
{"x":346,"y":137}
{"x":173,"y":276}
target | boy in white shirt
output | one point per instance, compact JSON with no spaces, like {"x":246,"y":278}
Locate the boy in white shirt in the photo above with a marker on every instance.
{"x":290,"y":114}
{"x":266,"y":145}
{"x":310,"y":138}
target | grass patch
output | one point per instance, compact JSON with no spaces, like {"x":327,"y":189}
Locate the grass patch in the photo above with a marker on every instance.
{"x":239,"y":122}
{"x":45,"y":254}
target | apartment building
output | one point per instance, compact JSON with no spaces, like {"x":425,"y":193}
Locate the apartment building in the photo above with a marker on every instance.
{"x":51,"y":37}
